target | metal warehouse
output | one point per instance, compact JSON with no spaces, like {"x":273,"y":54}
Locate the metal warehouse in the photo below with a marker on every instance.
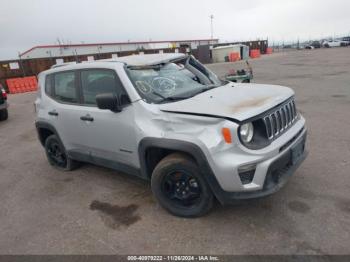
{"x":116,"y":49}
{"x":42,"y":57}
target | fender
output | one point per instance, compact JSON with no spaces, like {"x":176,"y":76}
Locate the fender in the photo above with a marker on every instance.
{"x":186,"y":147}
{"x":41,"y":124}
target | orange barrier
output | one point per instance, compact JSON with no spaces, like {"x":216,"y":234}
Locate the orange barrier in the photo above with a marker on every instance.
{"x":255,"y":53}
{"x":22,"y":85}
{"x":234,"y":56}
{"x":269,"y":50}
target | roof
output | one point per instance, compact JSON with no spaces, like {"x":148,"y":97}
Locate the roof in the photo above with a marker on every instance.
{"x":228,"y":46}
{"x":115,"y":43}
{"x":148,"y":59}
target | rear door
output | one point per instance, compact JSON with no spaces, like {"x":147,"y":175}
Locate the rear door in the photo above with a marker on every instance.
{"x":65,"y":110}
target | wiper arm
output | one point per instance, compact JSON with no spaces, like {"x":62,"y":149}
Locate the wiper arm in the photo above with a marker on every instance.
{"x":207,"y":88}
{"x":158,"y":94}
{"x":169,"y":98}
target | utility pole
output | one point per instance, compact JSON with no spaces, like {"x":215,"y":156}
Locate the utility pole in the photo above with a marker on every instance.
{"x":211,"y":26}
{"x":51,"y":58}
{"x":21,"y":64}
{"x":298,"y":44}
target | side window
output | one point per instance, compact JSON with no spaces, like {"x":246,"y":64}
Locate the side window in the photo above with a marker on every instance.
{"x":98,"y":81}
{"x":48,"y":85}
{"x":64,"y":87}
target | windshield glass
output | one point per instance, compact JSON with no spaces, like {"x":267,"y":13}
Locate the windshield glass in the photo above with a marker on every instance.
{"x":168,"y":82}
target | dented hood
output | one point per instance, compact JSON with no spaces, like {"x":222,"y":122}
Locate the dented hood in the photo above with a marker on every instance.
{"x":236,"y":101}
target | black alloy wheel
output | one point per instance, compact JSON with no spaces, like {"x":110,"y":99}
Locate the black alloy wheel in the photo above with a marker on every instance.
{"x":56,"y":155}
{"x":182,"y":188}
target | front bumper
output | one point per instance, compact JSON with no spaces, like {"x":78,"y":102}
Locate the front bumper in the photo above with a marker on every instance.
{"x":276,"y":177}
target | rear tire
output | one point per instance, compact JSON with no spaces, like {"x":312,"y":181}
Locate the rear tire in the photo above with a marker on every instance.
{"x":4,"y":115}
{"x":180,"y":188}
{"x":57,"y":155}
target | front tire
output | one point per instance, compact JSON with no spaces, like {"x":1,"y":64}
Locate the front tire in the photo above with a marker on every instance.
{"x":57,"y":156}
{"x":180,"y":188}
{"x":4,"y":115}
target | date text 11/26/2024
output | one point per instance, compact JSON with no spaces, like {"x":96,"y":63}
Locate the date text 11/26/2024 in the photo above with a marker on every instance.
{"x":173,"y":258}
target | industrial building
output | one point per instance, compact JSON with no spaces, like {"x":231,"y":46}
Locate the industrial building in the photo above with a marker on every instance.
{"x":40,"y":58}
{"x":114,"y":49}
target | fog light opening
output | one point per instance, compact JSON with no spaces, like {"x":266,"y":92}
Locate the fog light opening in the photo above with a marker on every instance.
{"x":246,"y":173}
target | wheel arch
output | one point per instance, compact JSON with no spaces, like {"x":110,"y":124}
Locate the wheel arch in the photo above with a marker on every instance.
{"x":44,"y":130}
{"x":169,"y":146}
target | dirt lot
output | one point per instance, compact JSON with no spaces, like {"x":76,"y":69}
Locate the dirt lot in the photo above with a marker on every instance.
{"x":94,"y":210}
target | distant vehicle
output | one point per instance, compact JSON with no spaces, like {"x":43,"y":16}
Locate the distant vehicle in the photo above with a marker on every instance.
{"x":313,"y":45}
{"x":309,"y":47}
{"x":345,"y":41}
{"x":3,"y":104}
{"x":332,"y":43}
{"x":240,"y":76}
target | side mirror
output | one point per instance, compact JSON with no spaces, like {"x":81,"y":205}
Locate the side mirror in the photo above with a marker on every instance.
{"x":108,"y":101}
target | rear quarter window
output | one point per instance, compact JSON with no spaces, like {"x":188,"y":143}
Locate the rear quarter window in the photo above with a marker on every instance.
{"x":48,"y":85}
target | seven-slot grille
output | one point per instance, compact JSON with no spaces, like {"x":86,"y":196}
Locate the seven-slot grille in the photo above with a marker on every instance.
{"x":280,"y":119}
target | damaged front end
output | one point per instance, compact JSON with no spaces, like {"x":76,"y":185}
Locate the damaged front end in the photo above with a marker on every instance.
{"x":238,"y":130}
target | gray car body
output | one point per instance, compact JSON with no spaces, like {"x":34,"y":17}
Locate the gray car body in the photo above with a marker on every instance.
{"x":198,"y":121}
{"x":3,"y":102}
{"x":3,"y":105}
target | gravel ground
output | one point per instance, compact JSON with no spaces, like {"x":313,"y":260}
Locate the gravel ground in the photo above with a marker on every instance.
{"x":94,"y":210}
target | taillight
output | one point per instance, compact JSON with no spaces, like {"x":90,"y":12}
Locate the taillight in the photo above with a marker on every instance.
{"x":3,"y":93}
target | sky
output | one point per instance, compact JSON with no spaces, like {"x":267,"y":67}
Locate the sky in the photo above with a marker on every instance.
{"x":27,"y":23}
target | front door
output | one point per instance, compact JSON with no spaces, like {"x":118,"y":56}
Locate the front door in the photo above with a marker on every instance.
{"x":110,"y":136}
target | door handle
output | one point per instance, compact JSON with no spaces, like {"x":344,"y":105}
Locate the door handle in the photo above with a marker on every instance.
{"x":53,"y":113}
{"x":87,"y":118}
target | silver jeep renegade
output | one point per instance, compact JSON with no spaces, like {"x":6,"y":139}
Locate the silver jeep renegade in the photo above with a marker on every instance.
{"x":168,"y":119}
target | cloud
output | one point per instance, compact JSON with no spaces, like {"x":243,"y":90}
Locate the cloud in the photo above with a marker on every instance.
{"x":39,"y":22}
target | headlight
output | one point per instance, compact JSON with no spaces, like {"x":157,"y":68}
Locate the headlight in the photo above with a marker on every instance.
{"x":246,"y":132}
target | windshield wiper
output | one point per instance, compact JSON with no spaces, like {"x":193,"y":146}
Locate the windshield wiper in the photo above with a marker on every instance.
{"x":206,"y":88}
{"x":169,"y":98}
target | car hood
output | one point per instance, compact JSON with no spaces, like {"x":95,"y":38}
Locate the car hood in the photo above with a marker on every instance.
{"x":235,"y":101}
